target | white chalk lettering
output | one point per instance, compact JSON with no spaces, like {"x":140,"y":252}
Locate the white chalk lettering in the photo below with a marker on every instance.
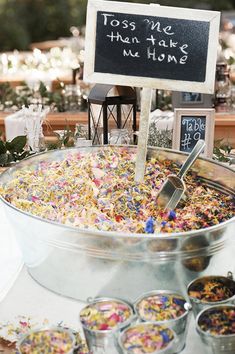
{"x":151,"y":54}
{"x":197,"y":136}
{"x":171,"y":58}
{"x":116,"y":23}
{"x":186,"y":142}
{"x":106,"y":18}
{"x":161,"y":57}
{"x":166,"y":29}
{"x":132,"y":25}
{"x":135,"y":40}
{"x":157,"y":26}
{"x":127,"y":53}
{"x":183,"y":59}
{"x":194,"y":124}
{"x":173,"y":44}
{"x":162,"y":43}
{"x":117,"y":37}
{"x":153,"y":25}
{"x":167,"y":44}
{"x":151,"y":39}
{"x":183,"y":47}
{"x":125,"y":24}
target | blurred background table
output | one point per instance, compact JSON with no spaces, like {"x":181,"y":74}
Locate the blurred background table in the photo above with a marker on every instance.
{"x":224,"y":124}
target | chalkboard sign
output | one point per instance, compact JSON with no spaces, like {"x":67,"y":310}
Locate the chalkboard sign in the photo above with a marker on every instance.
{"x":191,"y":97}
{"x":192,"y":130}
{"x":191,"y":100}
{"x":191,"y":126}
{"x":151,"y":46}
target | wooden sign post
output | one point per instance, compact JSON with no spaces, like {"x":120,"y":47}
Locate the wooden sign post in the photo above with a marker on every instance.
{"x":151,"y":47}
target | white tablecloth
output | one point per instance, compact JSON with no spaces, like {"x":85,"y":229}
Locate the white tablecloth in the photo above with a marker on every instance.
{"x":27,"y":298}
{"x":30,"y":299}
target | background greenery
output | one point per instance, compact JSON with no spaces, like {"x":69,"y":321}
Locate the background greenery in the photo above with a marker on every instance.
{"x":25,"y":21}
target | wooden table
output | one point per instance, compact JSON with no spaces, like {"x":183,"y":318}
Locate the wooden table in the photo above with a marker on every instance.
{"x":225,"y":127}
{"x":224,"y":124}
{"x":18,"y":80}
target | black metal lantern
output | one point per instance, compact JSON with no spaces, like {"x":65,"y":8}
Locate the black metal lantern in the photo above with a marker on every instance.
{"x":110,"y":107}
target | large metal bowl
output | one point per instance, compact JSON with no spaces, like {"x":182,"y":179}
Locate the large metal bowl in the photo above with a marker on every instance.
{"x":83,"y":263}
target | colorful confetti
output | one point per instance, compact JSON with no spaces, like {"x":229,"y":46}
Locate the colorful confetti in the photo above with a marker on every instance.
{"x":97,"y":190}
{"x":211,"y":289}
{"x":105,"y":315}
{"x":146,"y":338}
{"x":218,"y":321}
{"x":11,"y":331}
{"x":160,"y":307}
{"x":48,"y":341}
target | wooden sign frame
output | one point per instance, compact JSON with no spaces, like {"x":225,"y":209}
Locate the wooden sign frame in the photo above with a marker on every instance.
{"x":209,"y":114}
{"x":90,"y":75}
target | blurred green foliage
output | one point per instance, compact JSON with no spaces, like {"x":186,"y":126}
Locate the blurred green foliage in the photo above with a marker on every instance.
{"x":199,"y":4}
{"x":25,"y":21}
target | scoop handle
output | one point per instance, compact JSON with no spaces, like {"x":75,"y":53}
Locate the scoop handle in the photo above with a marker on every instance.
{"x":191,"y":158}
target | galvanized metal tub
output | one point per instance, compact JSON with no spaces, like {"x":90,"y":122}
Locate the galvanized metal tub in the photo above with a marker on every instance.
{"x":106,"y":341}
{"x":80,"y":263}
{"x":215,"y":344}
{"x":199,"y":305}
{"x":24,"y":339}
{"x":179,"y":324}
{"x":169,"y":349}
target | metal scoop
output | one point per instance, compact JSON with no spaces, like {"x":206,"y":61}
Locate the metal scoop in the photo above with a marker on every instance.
{"x":174,"y":187}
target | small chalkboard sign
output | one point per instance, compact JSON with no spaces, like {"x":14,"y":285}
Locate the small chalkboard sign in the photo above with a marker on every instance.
{"x":191,"y":97}
{"x":191,"y":100}
{"x":151,"y":46}
{"x":191,"y":125}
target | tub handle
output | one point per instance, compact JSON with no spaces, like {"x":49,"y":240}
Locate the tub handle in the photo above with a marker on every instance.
{"x":187,"y":306}
{"x":90,"y":299}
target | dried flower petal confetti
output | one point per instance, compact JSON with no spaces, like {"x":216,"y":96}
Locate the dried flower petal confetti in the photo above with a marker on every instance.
{"x":105,"y":315}
{"x":160,"y":307}
{"x":12,"y":330}
{"x":211,"y":289}
{"x":48,"y":342}
{"x":218,"y":320}
{"x":146,"y":338}
{"x":97,"y":190}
